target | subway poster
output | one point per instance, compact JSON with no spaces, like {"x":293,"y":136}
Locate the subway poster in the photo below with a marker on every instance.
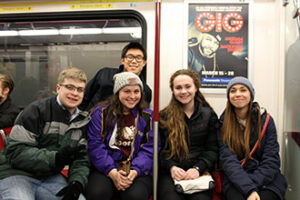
{"x":218,"y":42}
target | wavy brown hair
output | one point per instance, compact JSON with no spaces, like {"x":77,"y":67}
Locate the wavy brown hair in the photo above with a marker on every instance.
{"x":237,"y":139}
{"x":172,"y":118}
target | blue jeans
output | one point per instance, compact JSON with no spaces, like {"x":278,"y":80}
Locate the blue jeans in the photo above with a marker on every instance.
{"x":27,"y":188}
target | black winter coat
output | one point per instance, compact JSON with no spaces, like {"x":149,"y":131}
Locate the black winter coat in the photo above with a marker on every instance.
{"x":263,"y":172}
{"x":8,"y":113}
{"x":202,"y":142}
{"x":101,"y":87}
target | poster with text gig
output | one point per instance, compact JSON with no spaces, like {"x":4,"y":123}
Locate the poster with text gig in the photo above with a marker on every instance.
{"x":218,"y":42}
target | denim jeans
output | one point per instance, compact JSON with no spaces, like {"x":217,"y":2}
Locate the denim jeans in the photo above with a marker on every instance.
{"x":27,"y":188}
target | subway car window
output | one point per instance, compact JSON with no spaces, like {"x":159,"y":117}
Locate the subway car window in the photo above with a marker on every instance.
{"x":35,"y":49}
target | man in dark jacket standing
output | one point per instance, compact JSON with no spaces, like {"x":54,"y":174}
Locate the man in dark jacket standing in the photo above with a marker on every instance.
{"x":133,"y":59}
{"x":49,"y":135}
{"x":8,"y":111}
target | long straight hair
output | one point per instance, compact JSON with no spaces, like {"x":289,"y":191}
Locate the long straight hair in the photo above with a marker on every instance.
{"x":237,"y":139}
{"x":172,"y":118}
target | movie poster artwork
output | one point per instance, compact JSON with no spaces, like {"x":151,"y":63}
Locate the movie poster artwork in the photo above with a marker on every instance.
{"x":218,"y":42}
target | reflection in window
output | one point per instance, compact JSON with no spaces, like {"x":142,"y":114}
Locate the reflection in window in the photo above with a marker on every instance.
{"x":34,"y":52}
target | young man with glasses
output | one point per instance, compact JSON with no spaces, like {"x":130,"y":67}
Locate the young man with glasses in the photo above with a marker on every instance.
{"x":48,"y":135}
{"x":133,"y":59}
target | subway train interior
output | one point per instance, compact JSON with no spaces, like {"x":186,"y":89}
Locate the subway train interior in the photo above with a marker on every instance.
{"x":258,"y":39}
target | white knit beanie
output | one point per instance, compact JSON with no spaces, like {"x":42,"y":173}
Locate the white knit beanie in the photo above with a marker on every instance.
{"x":126,"y":78}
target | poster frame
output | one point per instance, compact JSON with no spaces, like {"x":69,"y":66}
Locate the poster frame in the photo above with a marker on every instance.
{"x":250,"y":37}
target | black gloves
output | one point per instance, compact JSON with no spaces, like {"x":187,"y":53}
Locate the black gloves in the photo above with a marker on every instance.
{"x":66,"y":155}
{"x":71,"y":191}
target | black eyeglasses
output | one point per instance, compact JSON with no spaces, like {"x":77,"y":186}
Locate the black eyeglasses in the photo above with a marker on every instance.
{"x":131,"y":57}
{"x":73,"y":88}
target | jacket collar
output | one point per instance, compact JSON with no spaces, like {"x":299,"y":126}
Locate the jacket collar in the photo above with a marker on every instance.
{"x":121,"y":68}
{"x":74,"y":115}
{"x":134,"y":112}
{"x":78,"y":112}
{"x":197,"y":110}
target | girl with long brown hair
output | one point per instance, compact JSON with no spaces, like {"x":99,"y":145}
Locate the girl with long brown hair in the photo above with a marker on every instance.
{"x":188,"y":137}
{"x":121,"y":132}
{"x":258,"y":178}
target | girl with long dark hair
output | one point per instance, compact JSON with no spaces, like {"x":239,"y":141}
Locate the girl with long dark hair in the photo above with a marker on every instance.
{"x":249,"y":176}
{"x":188,"y":137}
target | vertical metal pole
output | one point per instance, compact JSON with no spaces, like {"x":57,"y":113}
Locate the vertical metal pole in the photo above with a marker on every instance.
{"x":155,"y":160}
{"x":156,"y":96}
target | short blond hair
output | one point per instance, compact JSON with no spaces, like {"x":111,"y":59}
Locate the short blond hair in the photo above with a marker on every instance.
{"x":72,"y":73}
